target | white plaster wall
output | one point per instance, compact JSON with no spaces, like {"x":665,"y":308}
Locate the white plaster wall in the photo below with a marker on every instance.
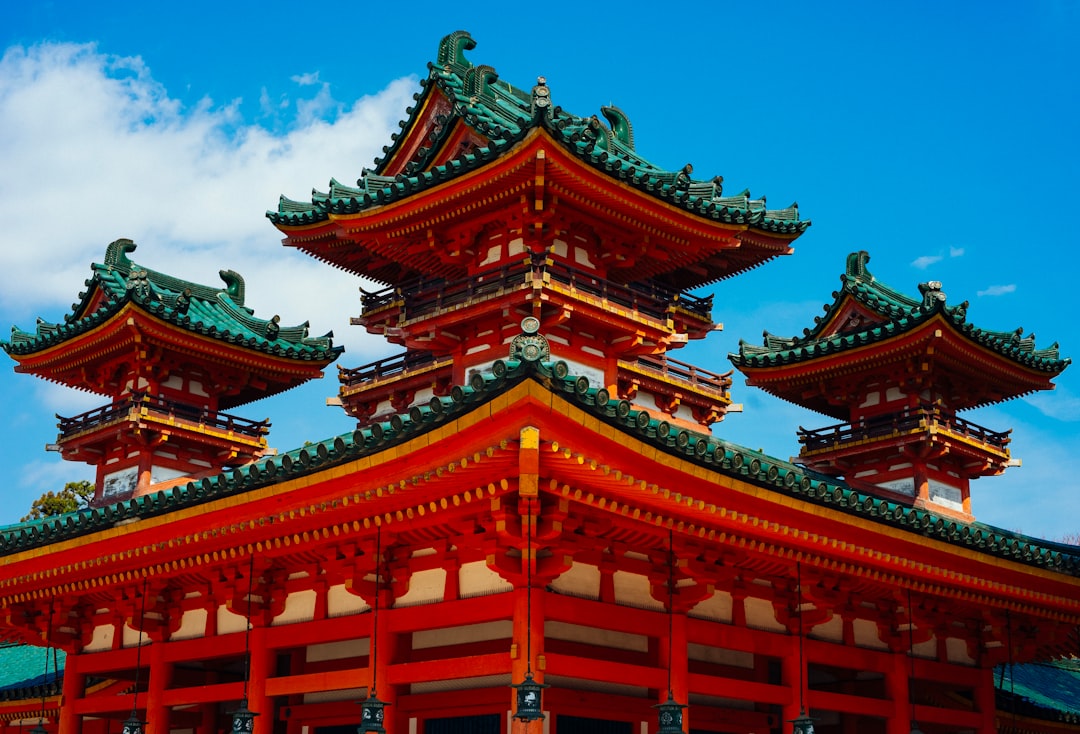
{"x":425,"y":586}
{"x":499,"y":630}
{"x":337,"y":650}
{"x":957,"y":651}
{"x":633,"y":589}
{"x":227,"y":622}
{"x":761,"y":615}
{"x":718,"y":607}
{"x":720,"y":656}
{"x":833,"y":630}
{"x":299,"y":607}
{"x":192,"y":625}
{"x":102,"y":638}
{"x":866,"y":635}
{"x":341,"y":602}
{"x":595,"y":636}
{"x":581,"y":579}
{"x":476,"y":579}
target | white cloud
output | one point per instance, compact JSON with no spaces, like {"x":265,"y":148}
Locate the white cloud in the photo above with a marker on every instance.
{"x":1059,"y":404}
{"x":922,"y":263}
{"x":997,"y":290}
{"x":306,"y":80}
{"x":190,"y":186}
{"x":956,"y":252}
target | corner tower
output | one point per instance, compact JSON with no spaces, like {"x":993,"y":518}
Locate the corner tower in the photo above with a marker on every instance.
{"x":170,"y":355}
{"x":493,"y":205}
{"x":899,"y":370}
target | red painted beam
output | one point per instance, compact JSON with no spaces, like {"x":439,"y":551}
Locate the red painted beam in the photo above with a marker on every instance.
{"x":450,"y":668}
{"x":334,"y":680}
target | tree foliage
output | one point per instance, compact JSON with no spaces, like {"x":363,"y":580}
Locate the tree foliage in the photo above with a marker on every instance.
{"x":74,"y":496}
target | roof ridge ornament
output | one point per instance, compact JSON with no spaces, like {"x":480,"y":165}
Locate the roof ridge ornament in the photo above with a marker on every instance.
{"x":932,"y":295}
{"x":529,"y":346}
{"x":116,"y":254}
{"x":452,"y":50}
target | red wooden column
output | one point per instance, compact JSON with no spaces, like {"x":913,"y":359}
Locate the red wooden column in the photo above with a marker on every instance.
{"x":793,"y":675}
{"x":897,"y":682}
{"x":986,"y":702}
{"x":74,"y":686}
{"x":157,"y":715}
{"x":260,"y":668}
{"x":528,"y":602}
{"x":674,"y":648}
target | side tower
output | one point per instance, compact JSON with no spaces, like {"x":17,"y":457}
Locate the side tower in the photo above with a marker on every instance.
{"x":170,"y":355}
{"x":492,"y":206}
{"x":899,"y":370}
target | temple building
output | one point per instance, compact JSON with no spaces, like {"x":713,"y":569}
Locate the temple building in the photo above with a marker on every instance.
{"x":534,"y":527}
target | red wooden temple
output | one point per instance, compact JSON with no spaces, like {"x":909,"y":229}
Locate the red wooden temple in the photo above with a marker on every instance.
{"x":532,"y":528}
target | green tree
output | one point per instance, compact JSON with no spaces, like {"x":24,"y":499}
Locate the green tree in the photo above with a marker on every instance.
{"x":74,"y":496}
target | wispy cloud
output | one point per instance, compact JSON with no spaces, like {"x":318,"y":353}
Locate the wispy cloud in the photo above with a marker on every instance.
{"x":1059,"y":404}
{"x":306,"y":80}
{"x":997,"y":290}
{"x":925,"y":261}
{"x":189,"y":185}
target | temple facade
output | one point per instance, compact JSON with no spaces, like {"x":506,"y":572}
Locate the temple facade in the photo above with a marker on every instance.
{"x":532,"y":528}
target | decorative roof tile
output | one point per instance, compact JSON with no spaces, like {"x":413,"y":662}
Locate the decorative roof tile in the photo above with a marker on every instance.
{"x":896,"y":313}
{"x":218,"y":313}
{"x":723,"y":458}
{"x":504,"y":115}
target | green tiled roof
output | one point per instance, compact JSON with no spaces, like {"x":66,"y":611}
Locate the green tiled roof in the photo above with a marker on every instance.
{"x":218,"y":313}
{"x":721,"y":457}
{"x":504,"y":115}
{"x":23,"y":675}
{"x":1046,"y":690}
{"x":898,"y":313}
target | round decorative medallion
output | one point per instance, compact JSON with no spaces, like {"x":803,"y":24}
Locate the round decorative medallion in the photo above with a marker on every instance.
{"x":530,"y":324}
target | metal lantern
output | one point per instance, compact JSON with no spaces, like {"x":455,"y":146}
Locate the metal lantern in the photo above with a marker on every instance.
{"x":670,"y":715}
{"x":529,"y":707}
{"x":243,"y":718}
{"x":39,"y":729}
{"x":803,"y":724}
{"x":134,"y":725}
{"x":915,"y":728}
{"x":371,"y":715}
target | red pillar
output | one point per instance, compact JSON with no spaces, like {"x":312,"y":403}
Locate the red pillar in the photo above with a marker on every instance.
{"x":527,"y":635}
{"x":899,"y":687}
{"x":676,"y":650}
{"x":74,"y":683}
{"x":793,"y":677}
{"x":986,"y":701}
{"x":157,"y":714}
{"x":259,"y":670}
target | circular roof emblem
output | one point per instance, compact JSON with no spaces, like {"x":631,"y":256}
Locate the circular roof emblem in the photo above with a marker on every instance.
{"x":530,"y":324}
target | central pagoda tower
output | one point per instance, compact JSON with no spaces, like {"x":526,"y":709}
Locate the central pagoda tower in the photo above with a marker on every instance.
{"x":494,"y":205}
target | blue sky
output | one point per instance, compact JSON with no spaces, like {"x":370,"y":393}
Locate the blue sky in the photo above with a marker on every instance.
{"x":940,"y":137}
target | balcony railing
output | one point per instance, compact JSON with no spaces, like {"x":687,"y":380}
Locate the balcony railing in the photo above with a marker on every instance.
{"x":423,"y":296}
{"x":162,"y":408}
{"x":907,"y":421}
{"x":386,"y":367}
{"x":695,"y":376}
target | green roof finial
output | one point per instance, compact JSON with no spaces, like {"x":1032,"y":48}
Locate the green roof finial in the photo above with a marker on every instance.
{"x":452,"y":49}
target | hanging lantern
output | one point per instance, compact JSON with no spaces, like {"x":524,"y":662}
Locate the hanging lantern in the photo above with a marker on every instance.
{"x":39,"y":729}
{"x":915,"y":728}
{"x":134,"y":725}
{"x":243,"y":718}
{"x":529,"y":707}
{"x":371,"y":715}
{"x":802,"y":725}
{"x":670,"y":715}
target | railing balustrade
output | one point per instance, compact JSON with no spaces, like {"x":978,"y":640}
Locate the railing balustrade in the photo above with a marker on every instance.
{"x":161,"y":407}
{"x":696,"y":376}
{"x":386,"y":367}
{"x":427,"y":295}
{"x":908,"y":420}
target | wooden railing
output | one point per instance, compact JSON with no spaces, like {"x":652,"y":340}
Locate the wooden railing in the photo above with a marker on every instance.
{"x":906,"y":421}
{"x":695,"y":376}
{"x":386,"y":367}
{"x":423,"y":296}
{"x":164,"y":408}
